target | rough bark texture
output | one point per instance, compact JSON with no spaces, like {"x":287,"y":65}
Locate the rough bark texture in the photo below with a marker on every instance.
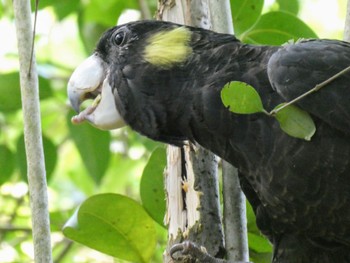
{"x":235,"y":219}
{"x":32,"y":134}
{"x":192,"y":183}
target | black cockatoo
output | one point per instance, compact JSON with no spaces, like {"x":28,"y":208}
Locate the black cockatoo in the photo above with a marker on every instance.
{"x":164,"y":81}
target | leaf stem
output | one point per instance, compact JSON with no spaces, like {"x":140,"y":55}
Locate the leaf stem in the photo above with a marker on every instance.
{"x":314,"y":89}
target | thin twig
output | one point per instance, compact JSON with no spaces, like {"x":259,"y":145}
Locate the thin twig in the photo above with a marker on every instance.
{"x":36,"y":172}
{"x":314,"y":89}
{"x":68,"y":245}
{"x":33,"y":38}
{"x":11,"y":219}
{"x":6,"y":229}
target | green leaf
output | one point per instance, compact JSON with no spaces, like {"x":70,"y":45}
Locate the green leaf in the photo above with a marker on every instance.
{"x":259,"y":243}
{"x":65,"y":7}
{"x":93,"y":146}
{"x":93,"y":10}
{"x":241,"y":98}
{"x":296,"y":122}
{"x":291,"y":6}
{"x":50,"y":153}
{"x":115,"y":225}
{"x":90,"y":33}
{"x":251,"y":220}
{"x":152,"y":186}
{"x":245,"y":13}
{"x":276,"y":28}
{"x":7,"y":163}
{"x":62,"y":8}
{"x":10,"y":93}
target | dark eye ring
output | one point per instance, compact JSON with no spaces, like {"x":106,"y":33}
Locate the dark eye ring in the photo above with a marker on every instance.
{"x":118,"y":38}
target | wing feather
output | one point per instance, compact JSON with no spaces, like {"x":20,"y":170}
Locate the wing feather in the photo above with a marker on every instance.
{"x":297,"y":68}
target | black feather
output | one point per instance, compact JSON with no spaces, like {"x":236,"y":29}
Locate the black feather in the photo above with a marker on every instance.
{"x":300,"y":191}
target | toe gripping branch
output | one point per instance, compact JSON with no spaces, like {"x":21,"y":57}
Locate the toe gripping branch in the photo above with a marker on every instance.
{"x":188,"y":251}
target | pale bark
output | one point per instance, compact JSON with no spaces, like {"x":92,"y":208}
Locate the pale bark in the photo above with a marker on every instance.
{"x":201,"y":195}
{"x":235,"y":217}
{"x":193,"y":196}
{"x":32,"y":134}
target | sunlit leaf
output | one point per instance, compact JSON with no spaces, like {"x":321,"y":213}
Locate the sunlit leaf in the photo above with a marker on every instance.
{"x":10,"y":94}
{"x":152,"y":186}
{"x":251,"y":219}
{"x":58,"y":218}
{"x":276,"y":28}
{"x":245,"y":13}
{"x":259,"y":243}
{"x":93,"y":146}
{"x":241,"y":98}
{"x":291,"y":6}
{"x":50,"y":154}
{"x":115,"y":225}
{"x":7,"y":163}
{"x":296,"y":122}
{"x":93,"y":10}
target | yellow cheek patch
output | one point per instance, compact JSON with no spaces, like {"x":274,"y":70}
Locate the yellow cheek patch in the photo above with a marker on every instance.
{"x":167,"y":48}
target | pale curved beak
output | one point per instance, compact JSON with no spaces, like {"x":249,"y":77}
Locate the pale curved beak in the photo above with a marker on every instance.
{"x":90,"y":81}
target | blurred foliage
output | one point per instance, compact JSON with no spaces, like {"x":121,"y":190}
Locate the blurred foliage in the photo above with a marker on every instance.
{"x":82,"y":161}
{"x":116,"y":225}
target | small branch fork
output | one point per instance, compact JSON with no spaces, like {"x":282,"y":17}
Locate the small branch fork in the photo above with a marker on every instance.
{"x":33,"y":39}
{"x":314,"y":89}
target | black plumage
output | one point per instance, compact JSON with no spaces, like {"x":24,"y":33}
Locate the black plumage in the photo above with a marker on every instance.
{"x":300,"y":190}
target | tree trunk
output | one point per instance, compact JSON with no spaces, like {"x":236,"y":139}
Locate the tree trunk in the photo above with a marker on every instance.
{"x":192,"y":169}
{"x":193,"y":210}
{"x":32,"y":134}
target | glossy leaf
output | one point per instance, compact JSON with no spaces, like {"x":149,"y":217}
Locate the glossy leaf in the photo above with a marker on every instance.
{"x":241,"y":98}
{"x":7,"y":163}
{"x":10,"y":93}
{"x":245,"y":13}
{"x":50,"y":154}
{"x":115,"y":225}
{"x":93,"y":146}
{"x":296,"y":122}
{"x":152,"y":186}
{"x":276,"y":28}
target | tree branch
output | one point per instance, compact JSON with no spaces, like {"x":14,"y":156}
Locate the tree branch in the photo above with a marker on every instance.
{"x":32,"y":134}
{"x":235,"y":218}
{"x":193,"y":211}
